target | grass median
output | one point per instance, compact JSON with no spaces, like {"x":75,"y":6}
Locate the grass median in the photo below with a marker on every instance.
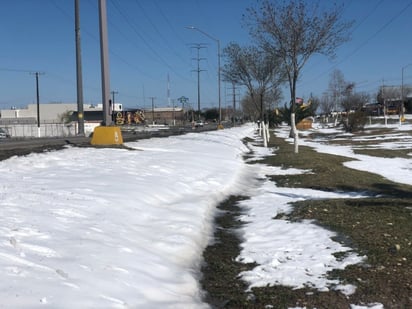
{"x":379,"y":227}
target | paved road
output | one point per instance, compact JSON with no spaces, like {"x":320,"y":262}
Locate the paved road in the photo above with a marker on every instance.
{"x":17,"y":147}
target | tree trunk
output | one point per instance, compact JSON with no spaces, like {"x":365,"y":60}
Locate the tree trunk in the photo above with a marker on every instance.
{"x":294,"y":132}
{"x":265,"y":141}
{"x":292,"y":115}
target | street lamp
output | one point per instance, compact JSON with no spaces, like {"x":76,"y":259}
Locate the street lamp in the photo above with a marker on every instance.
{"x":218,"y":64}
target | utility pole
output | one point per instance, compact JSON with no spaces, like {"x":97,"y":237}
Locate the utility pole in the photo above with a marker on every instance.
{"x":36,"y":74}
{"x":106,"y":133}
{"x":234,"y":102}
{"x":173,"y":111}
{"x":168,"y":89}
{"x":384,"y":102}
{"x":80,"y":113}
{"x":113,"y":101}
{"x":198,"y":47}
{"x":402,"y":105}
{"x":104,"y":61}
{"x":112,"y":105}
{"x":152,"y":98}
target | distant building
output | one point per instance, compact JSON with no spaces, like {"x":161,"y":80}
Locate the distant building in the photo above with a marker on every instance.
{"x":165,"y":115}
{"x":62,"y":118}
{"x":52,"y":113}
{"x":56,"y":119}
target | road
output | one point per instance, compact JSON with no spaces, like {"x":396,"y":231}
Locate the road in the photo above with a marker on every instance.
{"x":17,"y":147}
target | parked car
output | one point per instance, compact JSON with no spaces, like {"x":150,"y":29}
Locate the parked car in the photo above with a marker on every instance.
{"x":4,"y":133}
{"x":199,"y":123}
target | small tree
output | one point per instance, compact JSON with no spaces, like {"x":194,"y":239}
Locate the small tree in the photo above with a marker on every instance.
{"x":211,"y":114}
{"x":254,"y":69}
{"x":66,"y":117}
{"x":302,"y":112}
{"x":293,"y":31}
{"x":355,"y":118}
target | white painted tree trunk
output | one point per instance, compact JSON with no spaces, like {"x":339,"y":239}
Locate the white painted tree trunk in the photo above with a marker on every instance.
{"x":265,"y":142}
{"x":294,"y":132}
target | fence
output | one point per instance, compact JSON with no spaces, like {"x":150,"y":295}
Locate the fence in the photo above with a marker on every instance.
{"x":45,"y":130}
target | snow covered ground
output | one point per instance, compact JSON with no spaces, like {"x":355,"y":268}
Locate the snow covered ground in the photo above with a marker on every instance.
{"x":117,"y":228}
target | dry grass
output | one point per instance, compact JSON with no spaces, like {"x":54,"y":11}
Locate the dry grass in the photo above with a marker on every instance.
{"x":379,"y":228}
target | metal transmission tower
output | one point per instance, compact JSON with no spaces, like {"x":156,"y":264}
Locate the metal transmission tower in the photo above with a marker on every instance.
{"x":198,"y":70}
{"x":218,"y":64}
{"x":80,"y":114}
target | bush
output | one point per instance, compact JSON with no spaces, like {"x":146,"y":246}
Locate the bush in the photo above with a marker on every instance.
{"x":355,"y":122}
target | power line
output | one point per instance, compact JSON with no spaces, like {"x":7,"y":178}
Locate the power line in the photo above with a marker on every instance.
{"x":129,"y":22}
{"x":168,"y":22}
{"x":164,"y":39}
{"x":377,"y":32}
{"x":16,"y":70}
{"x":95,"y":38}
{"x":366,"y":41}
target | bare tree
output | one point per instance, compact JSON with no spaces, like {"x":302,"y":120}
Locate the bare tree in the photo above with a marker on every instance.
{"x":249,"y":108}
{"x":354,"y":102}
{"x":271,"y":101}
{"x":390,"y":93}
{"x":336,"y":87}
{"x":294,"y":31}
{"x":354,"y":118}
{"x":255,"y":69}
{"x":326,"y":104}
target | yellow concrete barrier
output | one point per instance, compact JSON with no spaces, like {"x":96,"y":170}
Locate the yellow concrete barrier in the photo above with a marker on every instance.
{"x":110,"y":135}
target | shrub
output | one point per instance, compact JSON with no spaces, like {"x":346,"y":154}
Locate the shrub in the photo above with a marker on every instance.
{"x":355,"y":122}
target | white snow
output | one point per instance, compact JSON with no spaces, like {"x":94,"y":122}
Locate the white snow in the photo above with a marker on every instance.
{"x":113,"y":228}
{"x":288,"y":253}
{"x":117,"y":228}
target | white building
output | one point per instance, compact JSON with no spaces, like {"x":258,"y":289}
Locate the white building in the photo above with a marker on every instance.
{"x":49,"y":112}
{"x":22,"y":122}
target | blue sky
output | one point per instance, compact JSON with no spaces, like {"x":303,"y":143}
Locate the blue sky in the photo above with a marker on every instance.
{"x":148,"y":42}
